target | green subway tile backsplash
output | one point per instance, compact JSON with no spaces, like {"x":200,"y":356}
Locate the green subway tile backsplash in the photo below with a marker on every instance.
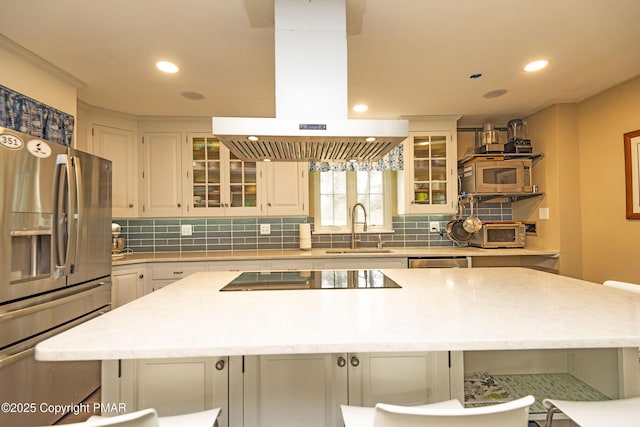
{"x":225,"y":234}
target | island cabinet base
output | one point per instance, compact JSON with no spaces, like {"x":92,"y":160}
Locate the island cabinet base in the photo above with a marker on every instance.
{"x":307,"y":389}
{"x":171,"y":386}
{"x":277,"y":390}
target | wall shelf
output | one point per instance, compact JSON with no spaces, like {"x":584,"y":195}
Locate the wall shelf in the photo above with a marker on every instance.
{"x":500,"y":197}
{"x":499,"y":156}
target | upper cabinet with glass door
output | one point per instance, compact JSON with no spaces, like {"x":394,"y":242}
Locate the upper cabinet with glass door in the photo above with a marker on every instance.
{"x":428,"y":183}
{"x":219,"y":182}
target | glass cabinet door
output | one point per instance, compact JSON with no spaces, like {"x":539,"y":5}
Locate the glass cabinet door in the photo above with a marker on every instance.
{"x":207,"y":184}
{"x":243,"y":182}
{"x":430,"y":170}
{"x":220,"y":182}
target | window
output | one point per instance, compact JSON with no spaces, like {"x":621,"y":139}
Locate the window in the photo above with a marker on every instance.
{"x":337,"y":193}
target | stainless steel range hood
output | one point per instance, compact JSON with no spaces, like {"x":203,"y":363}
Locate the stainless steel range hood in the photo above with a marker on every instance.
{"x":311,"y":121}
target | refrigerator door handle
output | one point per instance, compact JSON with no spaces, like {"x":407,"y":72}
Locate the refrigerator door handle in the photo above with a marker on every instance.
{"x":75,"y":202}
{"x":26,"y":311}
{"x":16,"y":357}
{"x":60,"y":223}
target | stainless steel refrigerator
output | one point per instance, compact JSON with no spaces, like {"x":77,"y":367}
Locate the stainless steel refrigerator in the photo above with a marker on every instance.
{"x":55,"y":267}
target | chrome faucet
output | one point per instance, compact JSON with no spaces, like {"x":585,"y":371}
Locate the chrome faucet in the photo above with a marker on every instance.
{"x":353,"y":223}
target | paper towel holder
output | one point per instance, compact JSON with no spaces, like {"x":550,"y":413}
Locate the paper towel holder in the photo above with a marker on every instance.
{"x":305,"y":237}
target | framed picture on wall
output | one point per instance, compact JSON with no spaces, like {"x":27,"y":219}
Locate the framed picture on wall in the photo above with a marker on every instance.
{"x":631,"y":161}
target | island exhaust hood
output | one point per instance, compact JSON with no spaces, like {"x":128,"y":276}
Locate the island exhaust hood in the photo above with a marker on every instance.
{"x":311,"y":121}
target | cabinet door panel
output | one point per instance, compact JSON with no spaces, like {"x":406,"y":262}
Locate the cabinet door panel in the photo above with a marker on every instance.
{"x":162,"y":166}
{"x":173,"y":387}
{"x":428,"y":183}
{"x":287,"y":188}
{"x":351,"y":263}
{"x":218,"y":183}
{"x":398,"y":378}
{"x":117,"y":145}
{"x":126,"y":286}
{"x":179,"y":386}
{"x":294,"y":390}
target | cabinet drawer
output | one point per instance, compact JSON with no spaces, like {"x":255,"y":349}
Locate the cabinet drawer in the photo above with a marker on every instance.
{"x":175,"y":270}
{"x":290,"y":264}
{"x":244,"y":265}
{"x":354,"y":263}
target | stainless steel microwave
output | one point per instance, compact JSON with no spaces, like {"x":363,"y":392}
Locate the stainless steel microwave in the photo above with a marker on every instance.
{"x":496,"y":176}
{"x":499,"y":235}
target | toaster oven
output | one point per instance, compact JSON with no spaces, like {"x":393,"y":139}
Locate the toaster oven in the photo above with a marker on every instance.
{"x":499,"y":235}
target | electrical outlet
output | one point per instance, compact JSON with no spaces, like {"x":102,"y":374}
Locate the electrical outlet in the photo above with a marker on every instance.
{"x":186,"y":230}
{"x":543,"y":213}
{"x":265,"y":228}
{"x":434,"y":226}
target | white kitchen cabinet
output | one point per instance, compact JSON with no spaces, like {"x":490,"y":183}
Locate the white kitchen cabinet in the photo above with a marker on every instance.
{"x":294,"y":390}
{"x":171,"y":386}
{"x":118,"y":146}
{"x":162,"y":153}
{"x":240,"y":265}
{"x":289,"y":264}
{"x":127,"y":284}
{"x":357,"y":262}
{"x":398,"y":378}
{"x":428,"y":183}
{"x":287,"y":188}
{"x":217,"y":182}
{"x":164,"y":274}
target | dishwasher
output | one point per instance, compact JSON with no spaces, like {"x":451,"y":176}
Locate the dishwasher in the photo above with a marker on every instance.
{"x":440,"y":262}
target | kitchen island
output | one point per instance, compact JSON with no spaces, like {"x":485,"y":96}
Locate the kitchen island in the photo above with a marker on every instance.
{"x":455,"y":312}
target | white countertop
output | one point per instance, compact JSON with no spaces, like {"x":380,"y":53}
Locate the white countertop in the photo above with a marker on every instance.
{"x":439,"y":251}
{"x":436,"y":309}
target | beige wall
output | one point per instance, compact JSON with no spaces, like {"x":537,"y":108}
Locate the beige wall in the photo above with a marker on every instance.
{"x":582,"y":175}
{"x":31,"y":76}
{"x":553,"y":132}
{"x":611,"y":243}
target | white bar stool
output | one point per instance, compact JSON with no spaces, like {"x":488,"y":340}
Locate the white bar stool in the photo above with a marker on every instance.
{"x":443,"y":414}
{"x":149,"y":418}
{"x":617,"y":412}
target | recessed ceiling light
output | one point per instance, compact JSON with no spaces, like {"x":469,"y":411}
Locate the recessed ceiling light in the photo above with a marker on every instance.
{"x":267,"y":160}
{"x":167,"y":67}
{"x":370,"y":139}
{"x":536,"y":65}
{"x":360,"y":108}
{"x":252,"y":138}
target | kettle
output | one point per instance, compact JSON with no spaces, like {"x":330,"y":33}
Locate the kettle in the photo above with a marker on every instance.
{"x":516,"y":129}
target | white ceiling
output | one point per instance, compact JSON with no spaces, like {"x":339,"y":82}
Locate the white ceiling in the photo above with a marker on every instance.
{"x":406,"y":57}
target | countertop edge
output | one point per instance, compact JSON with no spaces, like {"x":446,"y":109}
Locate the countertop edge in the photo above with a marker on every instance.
{"x":160,"y":257}
{"x":46,"y":354}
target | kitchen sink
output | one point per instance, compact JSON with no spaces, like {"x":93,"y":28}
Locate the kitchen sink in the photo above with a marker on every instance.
{"x":358,"y":251}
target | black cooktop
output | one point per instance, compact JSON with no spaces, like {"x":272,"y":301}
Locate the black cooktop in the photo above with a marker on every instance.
{"x":321,"y":279}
